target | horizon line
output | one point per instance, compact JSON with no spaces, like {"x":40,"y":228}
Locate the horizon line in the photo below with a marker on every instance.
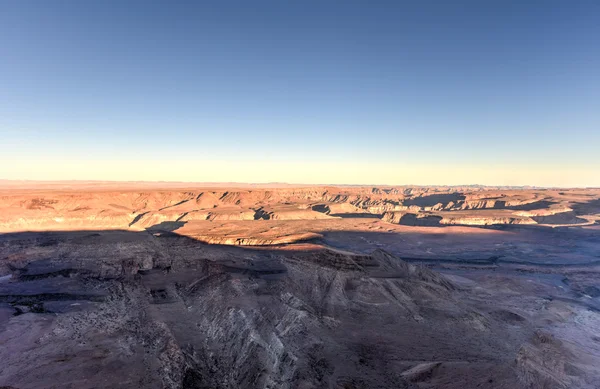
{"x":225,"y":183}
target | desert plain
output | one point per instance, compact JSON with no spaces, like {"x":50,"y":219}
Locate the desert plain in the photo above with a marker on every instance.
{"x":172,"y":285}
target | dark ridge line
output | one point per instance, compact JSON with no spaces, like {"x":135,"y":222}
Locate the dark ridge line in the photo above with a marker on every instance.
{"x":174,"y":205}
{"x":137,"y":218}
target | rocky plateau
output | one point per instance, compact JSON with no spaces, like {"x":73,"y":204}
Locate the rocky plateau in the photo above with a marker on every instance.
{"x":136,"y":285}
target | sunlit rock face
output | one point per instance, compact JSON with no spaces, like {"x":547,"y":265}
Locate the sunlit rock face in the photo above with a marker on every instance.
{"x":139,"y":208}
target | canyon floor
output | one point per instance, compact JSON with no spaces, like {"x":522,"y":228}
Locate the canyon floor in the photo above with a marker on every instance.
{"x":137,"y":285}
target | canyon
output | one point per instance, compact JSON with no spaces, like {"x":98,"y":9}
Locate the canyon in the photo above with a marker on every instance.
{"x":178,"y":285}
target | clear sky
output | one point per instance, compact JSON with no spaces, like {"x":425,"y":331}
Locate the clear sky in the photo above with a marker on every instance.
{"x":356,"y":92}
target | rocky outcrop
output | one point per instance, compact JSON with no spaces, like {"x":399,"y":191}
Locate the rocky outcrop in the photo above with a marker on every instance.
{"x":484,"y":220}
{"x":256,"y":241}
{"x":289,"y":213}
{"x":412,"y":219}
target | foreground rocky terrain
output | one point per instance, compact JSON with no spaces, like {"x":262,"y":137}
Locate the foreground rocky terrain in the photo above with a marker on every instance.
{"x":349,"y":287}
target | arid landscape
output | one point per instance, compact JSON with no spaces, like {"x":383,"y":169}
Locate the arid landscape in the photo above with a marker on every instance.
{"x":299,"y":194}
{"x":166,"y":285}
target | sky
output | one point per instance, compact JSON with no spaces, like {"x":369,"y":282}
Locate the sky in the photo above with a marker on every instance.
{"x":314,"y":92}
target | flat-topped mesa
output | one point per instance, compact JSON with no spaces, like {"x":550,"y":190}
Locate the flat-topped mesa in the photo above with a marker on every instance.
{"x":483,"y":218}
{"x":255,"y":241}
{"x":474,"y":220}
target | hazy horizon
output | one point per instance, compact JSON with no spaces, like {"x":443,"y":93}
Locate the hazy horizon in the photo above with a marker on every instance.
{"x":18,"y":183}
{"x":434,"y":93}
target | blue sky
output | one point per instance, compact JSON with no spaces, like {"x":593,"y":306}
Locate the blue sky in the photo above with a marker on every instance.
{"x":270,"y":90}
